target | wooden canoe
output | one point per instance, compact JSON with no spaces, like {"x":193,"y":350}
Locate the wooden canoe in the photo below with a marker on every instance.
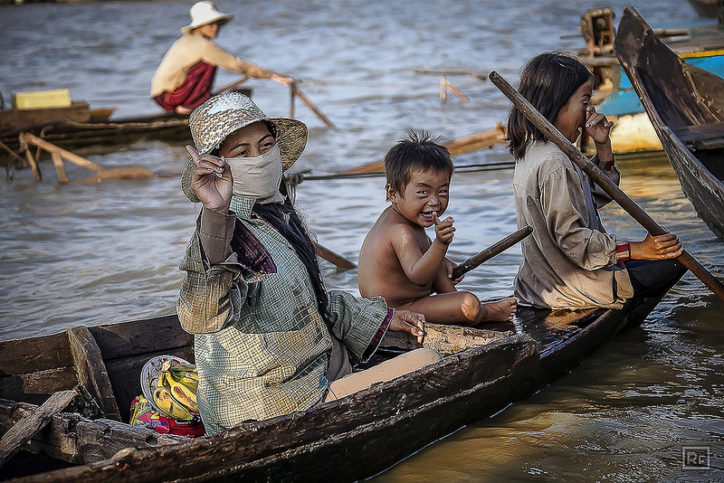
{"x":72,"y":130}
{"x":684,"y":104}
{"x":351,"y":438}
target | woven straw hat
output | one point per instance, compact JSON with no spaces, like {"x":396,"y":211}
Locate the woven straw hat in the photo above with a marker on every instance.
{"x":221,"y":115}
{"x":203,"y":13}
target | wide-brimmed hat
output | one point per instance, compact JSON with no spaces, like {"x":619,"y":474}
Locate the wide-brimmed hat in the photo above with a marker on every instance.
{"x":203,"y":13}
{"x":221,"y":115}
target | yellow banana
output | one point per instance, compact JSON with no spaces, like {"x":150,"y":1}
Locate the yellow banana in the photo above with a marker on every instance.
{"x":166,"y":403}
{"x":183,"y":395}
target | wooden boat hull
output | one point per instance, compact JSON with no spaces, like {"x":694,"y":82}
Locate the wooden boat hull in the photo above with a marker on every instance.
{"x":350,"y":438}
{"x":685,"y":105}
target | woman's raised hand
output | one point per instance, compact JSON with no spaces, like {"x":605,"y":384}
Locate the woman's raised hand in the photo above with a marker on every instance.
{"x":407,"y":321}
{"x":211,"y":181}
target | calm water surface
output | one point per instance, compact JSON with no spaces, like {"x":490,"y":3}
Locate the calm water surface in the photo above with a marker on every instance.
{"x":86,"y":253}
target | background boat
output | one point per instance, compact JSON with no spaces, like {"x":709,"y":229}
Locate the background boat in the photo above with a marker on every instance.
{"x":684,"y":104}
{"x":699,"y":43}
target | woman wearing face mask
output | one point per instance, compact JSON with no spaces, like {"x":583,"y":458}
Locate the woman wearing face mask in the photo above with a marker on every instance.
{"x":269,"y":339}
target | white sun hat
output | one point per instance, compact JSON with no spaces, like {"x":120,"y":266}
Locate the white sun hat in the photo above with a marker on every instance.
{"x":203,"y":13}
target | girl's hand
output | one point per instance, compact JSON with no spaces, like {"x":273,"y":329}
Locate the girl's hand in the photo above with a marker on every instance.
{"x":444,"y":230}
{"x":406,"y":321}
{"x":661,"y":247}
{"x":597,"y":126}
{"x":211,"y":181}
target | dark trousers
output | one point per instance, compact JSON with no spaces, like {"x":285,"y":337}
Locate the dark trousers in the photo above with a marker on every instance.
{"x":650,"y":277}
{"x":193,"y":92}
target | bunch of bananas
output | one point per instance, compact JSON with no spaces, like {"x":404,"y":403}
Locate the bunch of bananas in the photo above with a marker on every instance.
{"x":175,"y":392}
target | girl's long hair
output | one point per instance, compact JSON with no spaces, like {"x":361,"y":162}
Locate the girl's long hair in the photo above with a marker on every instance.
{"x":547,"y":81}
{"x":296,"y":234}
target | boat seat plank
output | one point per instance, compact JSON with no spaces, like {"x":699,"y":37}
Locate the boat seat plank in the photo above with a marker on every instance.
{"x":445,"y":339}
{"x":36,"y":387}
{"x":30,"y":425}
{"x":702,"y":136}
{"x":92,"y":372}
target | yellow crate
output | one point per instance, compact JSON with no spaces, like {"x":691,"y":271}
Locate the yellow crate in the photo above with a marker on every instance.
{"x":41,"y":99}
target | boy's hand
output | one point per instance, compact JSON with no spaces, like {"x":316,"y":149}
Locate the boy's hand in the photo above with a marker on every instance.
{"x":449,"y":267}
{"x":406,"y":321}
{"x":444,"y":230}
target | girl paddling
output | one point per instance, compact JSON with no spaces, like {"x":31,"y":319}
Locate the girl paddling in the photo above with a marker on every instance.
{"x":570,"y":262}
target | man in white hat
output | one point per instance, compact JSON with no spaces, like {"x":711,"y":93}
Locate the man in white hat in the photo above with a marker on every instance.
{"x":184,"y":78}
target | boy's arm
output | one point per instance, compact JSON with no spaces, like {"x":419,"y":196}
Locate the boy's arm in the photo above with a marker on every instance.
{"x":420,"y":268}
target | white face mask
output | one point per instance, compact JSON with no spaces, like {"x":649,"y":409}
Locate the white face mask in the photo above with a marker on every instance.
{"x":258,"y":176}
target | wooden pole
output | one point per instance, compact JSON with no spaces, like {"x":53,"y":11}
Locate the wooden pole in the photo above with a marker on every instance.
{"x":232,"y":85}
{"x":491,"y":251}
{"x":311,"y":105}
{"x":601,"y":179}
{"x":58,"y":162}
{"x":52,"y":148}
{"x":292,"y":93}
{"x":334,"y":258}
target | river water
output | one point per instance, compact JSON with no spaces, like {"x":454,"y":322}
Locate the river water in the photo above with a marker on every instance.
{"x":87,"y":253}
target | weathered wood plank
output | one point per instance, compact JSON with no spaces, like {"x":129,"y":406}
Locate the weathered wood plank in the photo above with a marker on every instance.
{"x":150,"y":336}
{"x":30,"y":425}
{"x":25,"y":356}
{"x":36,"y":387}
{"x":75,"y":439}
{"x":92,"y":372}
{"x":446,"y":339}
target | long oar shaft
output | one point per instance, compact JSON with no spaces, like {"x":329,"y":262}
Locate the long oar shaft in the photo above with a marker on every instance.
{"x":532,"y":114}
{"x":296,"y":90}
{"x":491,"y":251}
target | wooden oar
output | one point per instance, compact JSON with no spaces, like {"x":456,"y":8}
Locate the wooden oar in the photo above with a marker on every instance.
{"x":298,"y":92}
{"x":334,"y":258}
{"x":461,"y":145}
{"x":601,"y":179}
{"x":232,"y":85}
{"x":491,"y":251}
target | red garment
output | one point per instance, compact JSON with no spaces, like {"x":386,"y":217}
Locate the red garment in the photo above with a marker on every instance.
{"x":193,"y":92}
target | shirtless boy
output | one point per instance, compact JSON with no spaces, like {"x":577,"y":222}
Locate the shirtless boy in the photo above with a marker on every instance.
{"x":399,"y":261}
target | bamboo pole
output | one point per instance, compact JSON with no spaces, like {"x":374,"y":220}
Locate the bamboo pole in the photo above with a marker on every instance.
{"x":461,"y":145}
{"x":58,"y":162}
{"x":602,"y":180}
{"x":332,"y":257}
{"x":232,"y":85}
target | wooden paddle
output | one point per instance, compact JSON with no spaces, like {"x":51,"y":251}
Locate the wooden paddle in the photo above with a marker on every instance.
{"x":232,"y":85}
{"x":491,"y":251}
{"x":601,"y":179}
{"x":296,"y":91}
{"x":332,"y":257}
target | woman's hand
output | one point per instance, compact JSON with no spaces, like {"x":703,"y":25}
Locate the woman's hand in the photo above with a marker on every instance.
{"x":284,"y":80}
{"x":406,"y":321}
{"x":211,"y":181}
{"x":661,"y":247}
{"x":597,"y":126}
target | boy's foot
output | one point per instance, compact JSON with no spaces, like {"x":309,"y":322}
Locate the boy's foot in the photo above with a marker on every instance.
{"x":500,"y":310}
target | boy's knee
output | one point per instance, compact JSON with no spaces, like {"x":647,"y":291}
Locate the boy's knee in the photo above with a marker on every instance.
{"x":470,"y":306}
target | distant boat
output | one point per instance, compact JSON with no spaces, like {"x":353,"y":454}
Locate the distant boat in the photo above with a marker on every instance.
{"x":706,"y":8}
{"x":700,"y":44}
{"x":686,"y":107}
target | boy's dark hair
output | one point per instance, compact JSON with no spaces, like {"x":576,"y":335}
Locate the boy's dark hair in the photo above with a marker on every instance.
{"x":419,"y":150}
{"x":547,"y":81}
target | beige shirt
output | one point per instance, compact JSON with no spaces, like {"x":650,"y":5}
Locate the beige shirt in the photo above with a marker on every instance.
{"x":569,"y":262}
{"x":193,"y":48}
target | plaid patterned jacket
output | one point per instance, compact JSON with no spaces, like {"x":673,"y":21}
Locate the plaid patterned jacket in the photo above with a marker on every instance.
{"x":261,"y":347}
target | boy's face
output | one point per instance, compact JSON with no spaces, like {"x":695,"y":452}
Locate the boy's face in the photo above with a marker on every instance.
{"x":426,"y":194}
